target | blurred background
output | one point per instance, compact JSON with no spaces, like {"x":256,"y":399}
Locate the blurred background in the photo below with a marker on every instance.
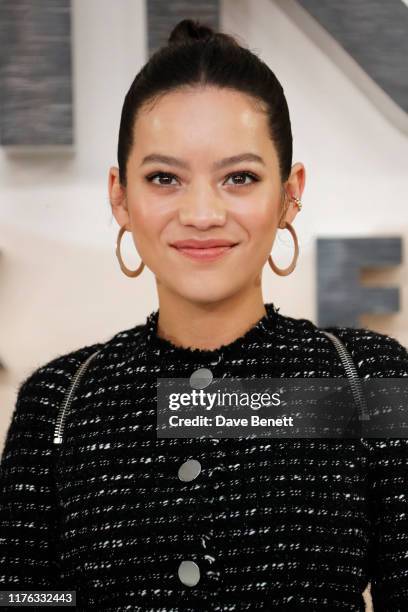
{"x":65,"y":68}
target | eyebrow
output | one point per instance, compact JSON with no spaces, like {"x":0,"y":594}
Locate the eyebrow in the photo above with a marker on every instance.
{"x":222,"y":163}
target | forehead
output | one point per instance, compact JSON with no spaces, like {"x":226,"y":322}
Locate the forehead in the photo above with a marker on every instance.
{"x":198,"y":118}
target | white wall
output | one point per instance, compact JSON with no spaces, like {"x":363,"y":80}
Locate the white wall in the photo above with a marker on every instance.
{"x":355,"y":157}
{"x":62,"y":286}
{"x":61,"y":283}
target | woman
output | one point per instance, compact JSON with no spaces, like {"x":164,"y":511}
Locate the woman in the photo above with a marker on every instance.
{"x":92,"y":499}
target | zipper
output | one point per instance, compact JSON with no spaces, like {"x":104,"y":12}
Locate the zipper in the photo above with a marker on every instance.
{"x":347,"y":361}
{"x":59,"y":427}
{"x":355,"y":383}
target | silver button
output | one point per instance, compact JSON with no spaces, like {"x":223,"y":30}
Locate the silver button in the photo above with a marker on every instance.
{"x":201,"y":378}
{"x":189,"y":573}
{"x":189,"y":470}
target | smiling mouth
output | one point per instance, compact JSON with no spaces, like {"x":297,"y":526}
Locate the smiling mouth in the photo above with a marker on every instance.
{"x":205,"y":254}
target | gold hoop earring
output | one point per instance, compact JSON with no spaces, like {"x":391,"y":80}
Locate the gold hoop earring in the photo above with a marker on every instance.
{"x":124,"y":269}
{"x":287,"y":225}
{"x":292,"y":265}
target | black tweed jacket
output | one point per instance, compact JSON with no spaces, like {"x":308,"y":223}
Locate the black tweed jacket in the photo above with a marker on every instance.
{"x":265,"y":524}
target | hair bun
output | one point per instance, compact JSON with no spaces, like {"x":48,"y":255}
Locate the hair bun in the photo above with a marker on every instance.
{"x":188,"y":30}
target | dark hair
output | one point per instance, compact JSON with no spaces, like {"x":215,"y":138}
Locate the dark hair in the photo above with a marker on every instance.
{"x":196,"y":55}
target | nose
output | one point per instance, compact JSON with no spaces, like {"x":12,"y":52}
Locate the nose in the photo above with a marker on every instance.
{"x":202,"y":208}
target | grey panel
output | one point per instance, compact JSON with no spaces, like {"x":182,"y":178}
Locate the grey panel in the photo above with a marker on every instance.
{"x":375,"y":34}
{"x":340,"y":297}
{"x":35,"y":73}
{"x":163,"y":15}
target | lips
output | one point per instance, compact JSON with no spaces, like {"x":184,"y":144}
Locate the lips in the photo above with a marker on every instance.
{"x":204,"y":249}
{"x":202,"y":244}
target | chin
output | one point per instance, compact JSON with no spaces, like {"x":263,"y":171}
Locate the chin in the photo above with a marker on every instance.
{"x":205,"y":293}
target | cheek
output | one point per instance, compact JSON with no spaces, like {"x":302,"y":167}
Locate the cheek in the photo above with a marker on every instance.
{"x":148,"y":222}
{"x":259,"y":218}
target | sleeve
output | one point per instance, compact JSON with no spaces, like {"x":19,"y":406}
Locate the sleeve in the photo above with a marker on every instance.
{"x":388,"y":555}
{"x":28,"y":506}
{"x":381,"y":355}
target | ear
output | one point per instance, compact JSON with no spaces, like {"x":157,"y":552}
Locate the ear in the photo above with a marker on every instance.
{"x":117,"y":198}
{"x":294,"y":186}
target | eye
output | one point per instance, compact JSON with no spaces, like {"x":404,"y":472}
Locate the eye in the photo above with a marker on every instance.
{"x":253,"y":177}
{"x":160,"y":175}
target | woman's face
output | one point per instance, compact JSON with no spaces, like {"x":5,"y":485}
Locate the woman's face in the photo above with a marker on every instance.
{"x":201,"y":194}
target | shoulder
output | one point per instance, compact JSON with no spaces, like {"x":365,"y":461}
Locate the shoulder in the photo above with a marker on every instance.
{"x":53,"y":376}
{"x":374,"y":353}
{"x":63,"y":366}
{"x":41,"y":391}
{"x":39,"y":396}
{"x":60,"y":368}
{"x":360,"y":341}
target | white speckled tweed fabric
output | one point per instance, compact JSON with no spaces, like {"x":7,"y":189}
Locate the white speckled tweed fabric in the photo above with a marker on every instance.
{"x":273,"y":524}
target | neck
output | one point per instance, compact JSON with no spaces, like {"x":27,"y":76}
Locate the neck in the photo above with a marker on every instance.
{"x":207,"y":325}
